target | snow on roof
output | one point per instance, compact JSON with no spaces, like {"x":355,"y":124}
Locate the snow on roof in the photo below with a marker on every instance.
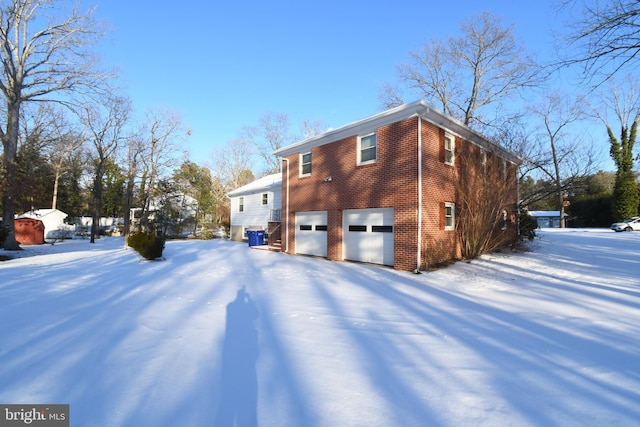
{"x":268,"y":182}
{"x":40,"y":213}
{"x":546,"y":213}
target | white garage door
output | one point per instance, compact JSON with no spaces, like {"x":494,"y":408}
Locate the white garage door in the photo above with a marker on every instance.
{"x":311,"y":233}
{"x":368,"y":235}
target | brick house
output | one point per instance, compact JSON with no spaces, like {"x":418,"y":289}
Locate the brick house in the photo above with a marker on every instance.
{"x":387,"y":189}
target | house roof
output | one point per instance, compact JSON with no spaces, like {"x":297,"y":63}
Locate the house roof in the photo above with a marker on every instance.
{"x":269,"y":182}
{"x":418,"y":108}
{"x":538,"y":214}
{"x":43,"y":213}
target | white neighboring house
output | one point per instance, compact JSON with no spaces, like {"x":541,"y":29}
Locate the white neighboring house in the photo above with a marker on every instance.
{"x":53,"y":220}
{"x":254,"y":205}
{"x":548,"y":219}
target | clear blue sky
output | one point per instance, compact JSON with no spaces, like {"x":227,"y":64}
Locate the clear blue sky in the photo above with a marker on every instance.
{"x":222,"y":65}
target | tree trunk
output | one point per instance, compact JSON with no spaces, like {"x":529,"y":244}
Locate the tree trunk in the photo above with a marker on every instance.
{"x":10,"y":145}
{"x":558,"y":181}
{"x":97,"y":200}
{"x":56,"y":181}
{"x":128,"y":202}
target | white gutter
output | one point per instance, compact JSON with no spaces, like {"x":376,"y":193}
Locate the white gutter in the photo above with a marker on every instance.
{"x":286,"y":236}
{"x":419,"y":253}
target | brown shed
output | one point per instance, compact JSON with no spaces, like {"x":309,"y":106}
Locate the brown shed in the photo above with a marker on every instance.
{"x":29,"y":231}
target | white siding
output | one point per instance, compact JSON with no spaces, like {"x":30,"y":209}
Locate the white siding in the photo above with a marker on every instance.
{"x":254,"y":213}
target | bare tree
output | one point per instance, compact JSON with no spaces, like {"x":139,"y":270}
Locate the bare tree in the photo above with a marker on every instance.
{"x":220,"y":201}
{"x":134,"y":153}
{"x":272,"y":133}
{"x":45,"y":51}
{"x":311,"y":128}
{"x":561,"y":156}
{"x":105,"y":125}
{"x":463,"y":75}
{"x":33,"y":172}
{"x":604,"y":37}
{"x":65,"y":141}
{"x":163,"y":137}
{"x":195,"y":181}
{"x":233,"y":164}
{"x":486,"y":192}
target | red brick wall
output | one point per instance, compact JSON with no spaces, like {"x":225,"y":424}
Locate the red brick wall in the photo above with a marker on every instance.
{"x":388,"y":183}
{"x":391,"y":182}
{"x":438,"y":245}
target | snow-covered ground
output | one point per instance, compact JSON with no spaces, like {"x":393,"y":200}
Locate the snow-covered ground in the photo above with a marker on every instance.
{"x":543,"y":338}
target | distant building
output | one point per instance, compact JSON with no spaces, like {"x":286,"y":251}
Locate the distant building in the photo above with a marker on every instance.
{"x":29,"y":231}
{"x":255,"y":206}
{"x":547,"y":219}
{"x":53,"y":220}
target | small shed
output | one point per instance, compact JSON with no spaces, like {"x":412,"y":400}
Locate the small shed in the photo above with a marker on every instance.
{"x":547,"y":219}
{"x":53,"y":220}
{"x":29,"y":231}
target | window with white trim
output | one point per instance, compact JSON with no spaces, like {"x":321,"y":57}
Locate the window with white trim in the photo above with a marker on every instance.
{"x":265,"y":198}
{"x":305,"y":164}
{"x":449,"y":216}
{"x":449,"y":148}
{"x":241,"y":204}
{"x":367,"y":149}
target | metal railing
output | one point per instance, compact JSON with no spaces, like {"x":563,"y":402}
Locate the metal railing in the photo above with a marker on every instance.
{"x":275,"y":215}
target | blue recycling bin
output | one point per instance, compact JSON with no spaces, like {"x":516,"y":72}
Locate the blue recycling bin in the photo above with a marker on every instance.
{"x":256,"y":237}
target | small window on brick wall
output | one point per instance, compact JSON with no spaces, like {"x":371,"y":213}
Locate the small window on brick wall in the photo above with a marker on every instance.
{"x":367,"y":149}
{"x":305,"y":164}
{"x":449,"y":149}
{"x":449,"y":217}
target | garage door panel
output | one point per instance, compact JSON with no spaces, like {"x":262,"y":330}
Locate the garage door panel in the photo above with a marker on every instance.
{"x":368,"y":235}
{"x":311,"y":233}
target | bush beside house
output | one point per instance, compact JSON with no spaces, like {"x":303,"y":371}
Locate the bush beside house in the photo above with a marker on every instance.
{"x":148,"y":245}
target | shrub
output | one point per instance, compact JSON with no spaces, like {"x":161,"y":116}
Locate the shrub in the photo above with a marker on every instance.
{"x":207,"y":234}
{"x":148,"y":245}
{"x":625,"y":196}
{"x":528,"y":226}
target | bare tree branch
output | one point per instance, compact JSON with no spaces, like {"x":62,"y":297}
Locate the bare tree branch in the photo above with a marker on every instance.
{"x":45,"y":53}
{"x":464,"y":75}
{"x":604,"y":37}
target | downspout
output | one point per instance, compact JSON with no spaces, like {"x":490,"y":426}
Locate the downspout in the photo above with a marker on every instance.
{"x":286,"y":235}
{"x":419,"y":252}
{"x":517,"y":202}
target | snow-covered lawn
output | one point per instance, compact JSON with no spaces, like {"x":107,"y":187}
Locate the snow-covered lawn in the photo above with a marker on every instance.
{"x":543,"y":338}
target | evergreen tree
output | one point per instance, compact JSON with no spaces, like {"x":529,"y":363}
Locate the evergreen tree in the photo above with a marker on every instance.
{"x":113,"y":194}
{"x":591,"y":200}
{"x":625,"y":190}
